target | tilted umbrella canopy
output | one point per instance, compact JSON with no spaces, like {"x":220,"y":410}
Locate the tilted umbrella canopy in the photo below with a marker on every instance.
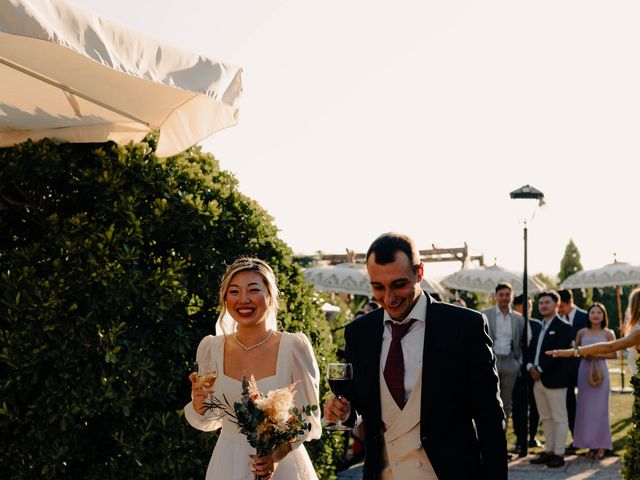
{"x":342,"y":278}
{"x":484,"y":280}
{"x":69,"y":74}
{"x":612,"y":275}
{"x":353,"y":278}
{"x":432,"y":286}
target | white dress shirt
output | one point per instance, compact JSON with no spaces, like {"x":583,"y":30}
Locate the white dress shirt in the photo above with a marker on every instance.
{"x":412,"y":343}
{"x":504,"y":335}
{"x":543,"y":330}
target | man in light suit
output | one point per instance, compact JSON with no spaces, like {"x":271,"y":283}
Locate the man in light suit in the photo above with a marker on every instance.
{"x":577,"y":318}
{"x":424,"y":379}
{"x":551,"y":379}
{"x":506,"y":328}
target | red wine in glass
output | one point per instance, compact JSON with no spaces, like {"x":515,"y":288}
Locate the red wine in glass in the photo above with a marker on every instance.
{"x":339,"y":386}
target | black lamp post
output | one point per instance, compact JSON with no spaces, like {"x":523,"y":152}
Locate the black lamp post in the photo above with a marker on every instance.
{"x":526,"y":193}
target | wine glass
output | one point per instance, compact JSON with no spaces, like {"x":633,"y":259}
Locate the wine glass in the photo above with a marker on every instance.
{"x":339,"y":375}
{"x":207,"y":372}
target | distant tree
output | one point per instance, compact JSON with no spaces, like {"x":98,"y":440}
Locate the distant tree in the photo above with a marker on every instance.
{"x":547,"y":280}
{"x":569,"y":265}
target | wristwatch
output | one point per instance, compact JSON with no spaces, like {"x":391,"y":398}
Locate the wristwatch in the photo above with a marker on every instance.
{"x":576,"y":351}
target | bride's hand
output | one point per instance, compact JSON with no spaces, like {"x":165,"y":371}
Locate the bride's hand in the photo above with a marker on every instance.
{"x":265,"y":466}
{"x":199,"y":392}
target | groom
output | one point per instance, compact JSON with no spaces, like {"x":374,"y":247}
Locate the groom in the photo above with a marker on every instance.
{"x":424,"y":379}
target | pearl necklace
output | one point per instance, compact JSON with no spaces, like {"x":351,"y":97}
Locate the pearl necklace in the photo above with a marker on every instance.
{"x":261,"y":342}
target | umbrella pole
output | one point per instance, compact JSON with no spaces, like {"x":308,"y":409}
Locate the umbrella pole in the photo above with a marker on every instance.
{"x":622,"y":388}
{"x":618,"y":295}
{"x":618,"y":288}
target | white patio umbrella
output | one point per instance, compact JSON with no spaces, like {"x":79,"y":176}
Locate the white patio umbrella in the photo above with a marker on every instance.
{"x":613,"y":275}
{"x":353,"y":278}
{"x":616,"y":275}
{"x":342,"y":278}
{"x":432,"y":286}
{"x":484,"y":280}
{"x":69,"y":74}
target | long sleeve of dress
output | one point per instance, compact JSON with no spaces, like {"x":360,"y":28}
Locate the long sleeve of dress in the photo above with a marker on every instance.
{"x":304,"y":371}
{"x":206,"y":349}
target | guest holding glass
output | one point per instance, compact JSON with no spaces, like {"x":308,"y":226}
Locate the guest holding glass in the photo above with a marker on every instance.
{"x":592,"y":428}
{"x":424,"y":379}
{"x":247,"y":342}
{"x":632,"y":338}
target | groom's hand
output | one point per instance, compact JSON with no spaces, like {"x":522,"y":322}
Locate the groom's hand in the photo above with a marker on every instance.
{"x":337,"y":408}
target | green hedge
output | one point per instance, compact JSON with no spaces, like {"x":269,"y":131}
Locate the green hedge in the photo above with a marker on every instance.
{"x":110,"y":262}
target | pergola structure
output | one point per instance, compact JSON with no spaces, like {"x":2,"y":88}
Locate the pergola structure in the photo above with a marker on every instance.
{"x":434,"y":254}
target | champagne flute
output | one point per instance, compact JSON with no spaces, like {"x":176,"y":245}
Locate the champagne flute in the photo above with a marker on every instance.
{"x":339,"y":375}
{"x":207,"y":372}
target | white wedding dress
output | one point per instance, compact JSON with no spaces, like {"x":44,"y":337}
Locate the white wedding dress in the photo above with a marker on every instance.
{"x":295,"y":363}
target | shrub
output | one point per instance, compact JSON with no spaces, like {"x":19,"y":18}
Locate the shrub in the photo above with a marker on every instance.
{"x":110,"y":262}
{"x":631,"y":459}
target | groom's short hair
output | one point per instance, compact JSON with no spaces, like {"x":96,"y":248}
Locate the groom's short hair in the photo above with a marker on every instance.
{"x":388,"y":244}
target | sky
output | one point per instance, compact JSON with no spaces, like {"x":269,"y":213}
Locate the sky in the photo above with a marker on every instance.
{"x":360,"y":117}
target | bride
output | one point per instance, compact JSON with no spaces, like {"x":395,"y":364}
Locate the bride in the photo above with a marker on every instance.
{"x":247,"y":343}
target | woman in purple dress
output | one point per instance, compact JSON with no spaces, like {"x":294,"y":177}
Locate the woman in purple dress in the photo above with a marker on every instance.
{"x":592,"y":428}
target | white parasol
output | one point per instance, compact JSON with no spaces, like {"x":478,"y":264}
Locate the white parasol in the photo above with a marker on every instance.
{"x":613,"y":275}
{"x":74,"y":76}
{"x":484,"y":280}
{"x":353,"y":278}
{"x":342,"y":278}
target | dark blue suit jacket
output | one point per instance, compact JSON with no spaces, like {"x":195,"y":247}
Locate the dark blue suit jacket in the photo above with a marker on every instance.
{"x":579,"y":321}
{"x":555,"y":371}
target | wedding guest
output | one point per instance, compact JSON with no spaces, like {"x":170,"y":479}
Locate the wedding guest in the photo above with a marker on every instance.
{"x":424,"y":379}
{"x":632,"y":338}
{"x":551,"y":379}
{"x":370,"y":306}
{"x":592,"y":429}
{"x":524,"y":403}
{"x":459,"y":301}
{"x":577,"y":318}
{"x":506,"y":328}
{"x":247,"y":342}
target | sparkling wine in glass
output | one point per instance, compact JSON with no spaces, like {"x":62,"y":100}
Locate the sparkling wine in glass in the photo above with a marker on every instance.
{"x":340,"y":376}
{"x":207,"y":372}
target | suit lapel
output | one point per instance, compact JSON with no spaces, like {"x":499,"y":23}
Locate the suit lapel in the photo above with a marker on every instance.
{"x":491,"y":316}
{"x":374,"y":344}
{"x":430,"y":318}
{"x":515,"y":334}
{"x":547,"y":337}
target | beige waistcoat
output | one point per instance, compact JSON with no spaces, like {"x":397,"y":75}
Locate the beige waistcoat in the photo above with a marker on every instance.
{"x":404,"y":457}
